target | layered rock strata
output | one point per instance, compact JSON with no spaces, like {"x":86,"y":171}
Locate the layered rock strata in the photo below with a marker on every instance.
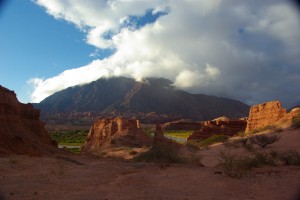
{"x":21,"y":130}
{"x":268,"y":114}
{"x":220,"y":126}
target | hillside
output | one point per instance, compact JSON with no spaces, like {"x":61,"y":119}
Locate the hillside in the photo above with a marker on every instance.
{"x":125,"y":95}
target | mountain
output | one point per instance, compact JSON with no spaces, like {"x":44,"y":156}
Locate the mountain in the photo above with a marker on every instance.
{"x":157,"y":95}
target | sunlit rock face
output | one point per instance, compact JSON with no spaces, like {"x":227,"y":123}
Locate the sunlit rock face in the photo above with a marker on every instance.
{"x":269,"y":113}
{"x":114,"y":132}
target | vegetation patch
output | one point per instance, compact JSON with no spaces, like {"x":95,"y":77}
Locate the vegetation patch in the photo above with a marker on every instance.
{"x":213,"y":139}
{"x":178,"y":133}
{"x":166,"y":154}
{"x":238,"y":167}
{"x":234,"y":166}
{"x":290,"y":158}
{"x":264,"y":140}
{"x":199,"y":144}
{"x":76,"y":137}
{"x":269,"y":128}
{"x":149,"y":130}
{"x":72,"y":150}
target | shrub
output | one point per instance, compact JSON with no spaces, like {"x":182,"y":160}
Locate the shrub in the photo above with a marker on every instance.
{"x":296,"y":121}
{"x":232,"y":144}
{"x":238,"y":167}
{"x":264,"y":140}
{"x":161,"y":154}
{"x":248,"y":147}
{"x":262,"y":159}
{"x":213,"y":139}
{"x":234,"y":166}
{"x":290,"y":158}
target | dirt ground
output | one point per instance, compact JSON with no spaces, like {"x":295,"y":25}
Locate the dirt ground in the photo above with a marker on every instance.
{"x":80,"y":177}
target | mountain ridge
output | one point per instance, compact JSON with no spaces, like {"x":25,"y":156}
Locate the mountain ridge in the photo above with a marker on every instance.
{"x":120,"y":94}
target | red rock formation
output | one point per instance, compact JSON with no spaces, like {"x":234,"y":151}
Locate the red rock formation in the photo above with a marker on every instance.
{"x":269,"y":113}
{"x":21,"y":130}
{"x":222,"y":126}
{"x":114,"y":132}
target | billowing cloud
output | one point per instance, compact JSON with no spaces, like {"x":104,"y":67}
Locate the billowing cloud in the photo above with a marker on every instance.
{"x":247,"y":50}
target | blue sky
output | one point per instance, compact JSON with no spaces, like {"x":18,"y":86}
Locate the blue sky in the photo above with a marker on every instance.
{"x":240,"y":49}
{"x":33,"y":44}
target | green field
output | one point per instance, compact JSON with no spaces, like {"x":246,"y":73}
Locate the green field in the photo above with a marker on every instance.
{"x":182,"y":135}
{"x":178,"y":133}
{"x":74,"y":138}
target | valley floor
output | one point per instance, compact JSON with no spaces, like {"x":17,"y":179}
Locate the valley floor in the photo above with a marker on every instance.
{"x":80,"y":177}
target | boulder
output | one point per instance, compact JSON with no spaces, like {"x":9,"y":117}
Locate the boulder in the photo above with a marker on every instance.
{"x":115,"y":132}
{"x":268,"y":114}
{"x":21,"y":130}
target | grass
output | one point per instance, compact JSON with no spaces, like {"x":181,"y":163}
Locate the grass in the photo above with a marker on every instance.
{"x":69,"y":137}
{"x":269,"y":128}
{"x":72,"y":150}
{"x":238,"y":167}
{"x":200,"y":144}
{"x":178,"y":133}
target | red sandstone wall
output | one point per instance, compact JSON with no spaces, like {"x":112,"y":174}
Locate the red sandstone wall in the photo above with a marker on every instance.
{"x":219,"y":127}
{"x":269,"y":113}
{"x":21,"y":130}
{"x":117,"y":131}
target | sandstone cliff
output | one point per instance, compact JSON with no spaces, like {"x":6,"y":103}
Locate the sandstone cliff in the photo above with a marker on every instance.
{"x":21,"y":130}
{"x":220,"y":126}
{"x":269,"y":113}
{"x":115,"y":132}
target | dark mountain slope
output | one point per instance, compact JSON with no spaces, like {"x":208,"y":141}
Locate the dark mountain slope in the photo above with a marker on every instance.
{"x":153,"y":95}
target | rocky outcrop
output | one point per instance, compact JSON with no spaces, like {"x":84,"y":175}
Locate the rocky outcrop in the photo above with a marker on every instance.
{"x":221,"y":126}
{"x":21,"y":130}
{"x":182,"y":125}
{"x":108,"y":132}
{"x":160,"y":141}
{"x":270,"y":113}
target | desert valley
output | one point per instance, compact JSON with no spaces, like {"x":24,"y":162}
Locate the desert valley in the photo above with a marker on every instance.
{"x":149,"y":100}
{"x":159,"y":156}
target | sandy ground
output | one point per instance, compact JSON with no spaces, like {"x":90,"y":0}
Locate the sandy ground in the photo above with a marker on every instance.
{"x":79,"y":177}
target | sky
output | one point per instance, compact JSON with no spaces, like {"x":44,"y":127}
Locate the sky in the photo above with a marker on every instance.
{"x":239,"y":49}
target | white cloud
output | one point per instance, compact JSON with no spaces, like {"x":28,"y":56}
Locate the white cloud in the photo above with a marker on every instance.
{"x":219,"y":47}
